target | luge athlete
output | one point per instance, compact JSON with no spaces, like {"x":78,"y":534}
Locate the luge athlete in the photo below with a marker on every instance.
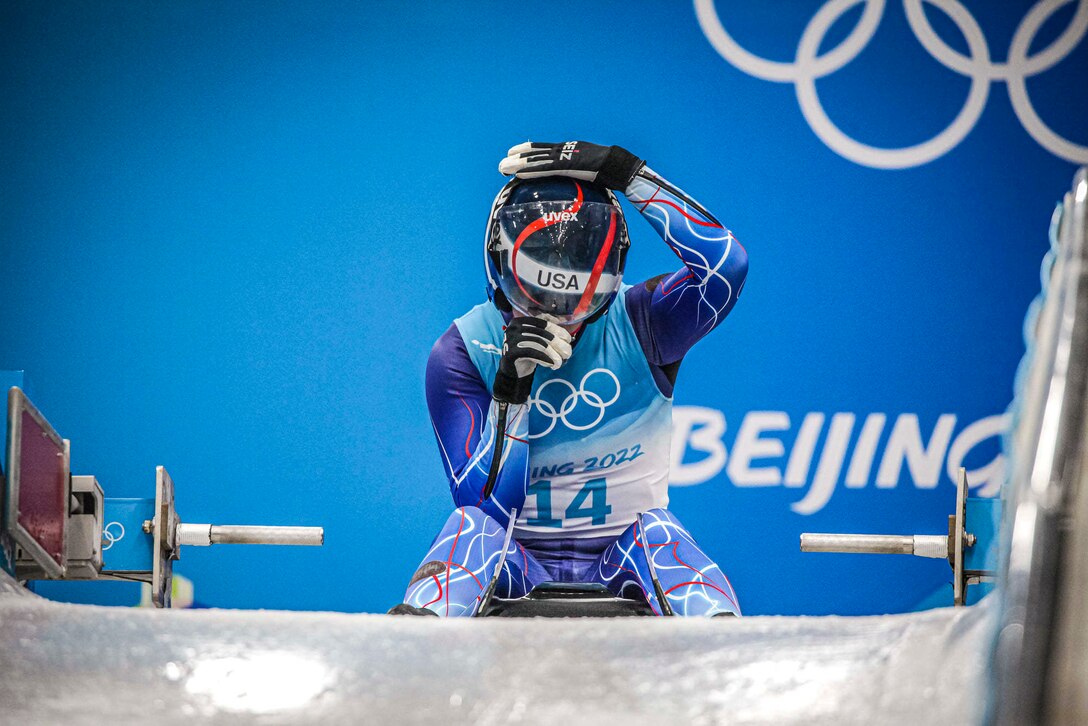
{"x":584,"y":367}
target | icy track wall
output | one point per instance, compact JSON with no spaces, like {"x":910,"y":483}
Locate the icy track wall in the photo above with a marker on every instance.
{"x":122,"y":666}
{"x":229,"y":247}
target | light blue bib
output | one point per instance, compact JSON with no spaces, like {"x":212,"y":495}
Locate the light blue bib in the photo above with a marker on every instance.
{"x":599,"y":427}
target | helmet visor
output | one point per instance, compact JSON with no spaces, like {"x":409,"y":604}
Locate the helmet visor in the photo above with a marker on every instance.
{"x":560,"y":259}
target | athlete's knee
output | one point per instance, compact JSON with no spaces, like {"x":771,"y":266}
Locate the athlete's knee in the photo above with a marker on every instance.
{"x":660,"y":514}
{"x":667,"y":522}
{"x":469,"y":518}
{"x":474,"y":514}
{"x":660,"y":525}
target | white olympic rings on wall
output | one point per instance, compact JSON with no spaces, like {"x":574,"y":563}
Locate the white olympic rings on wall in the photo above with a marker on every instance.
{"x":809,"y":66}
{"x":108,"y":537}
{"x":581,"y":394}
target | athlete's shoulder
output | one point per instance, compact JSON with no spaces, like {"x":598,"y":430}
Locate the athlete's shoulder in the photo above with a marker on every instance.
{"x":482,"y":312}
{"x":638,"y":298}
{"x":448,"y":347}
{"x":636,"y":301}
{"x":450,"y":368}
{"x":481,"y":330}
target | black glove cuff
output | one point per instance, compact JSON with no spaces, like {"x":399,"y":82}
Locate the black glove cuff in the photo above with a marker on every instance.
{"x":508,"y":388}
{"x":619,"y":168}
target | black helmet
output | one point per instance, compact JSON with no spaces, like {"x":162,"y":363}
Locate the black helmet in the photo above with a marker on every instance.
{"x":555,"y":246}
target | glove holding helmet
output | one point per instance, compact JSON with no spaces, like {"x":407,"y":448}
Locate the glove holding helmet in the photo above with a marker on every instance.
{"x":555,"y":247}
{"x":613,"y":167}
{"x":529,"y":342}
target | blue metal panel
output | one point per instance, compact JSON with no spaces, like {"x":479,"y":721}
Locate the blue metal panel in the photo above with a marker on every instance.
{"x":126,"y":547}
{"x":983,"y":521}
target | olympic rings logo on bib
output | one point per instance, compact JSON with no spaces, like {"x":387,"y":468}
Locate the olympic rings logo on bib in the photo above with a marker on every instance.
{"x":808,"y":66}
{"x":580,"y":408}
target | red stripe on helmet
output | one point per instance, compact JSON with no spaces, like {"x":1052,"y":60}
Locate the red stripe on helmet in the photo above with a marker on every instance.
{"x":534,"y":227}
{"x":598,"y":268}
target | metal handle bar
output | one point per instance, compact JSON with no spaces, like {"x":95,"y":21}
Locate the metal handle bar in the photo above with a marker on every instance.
{"x":921,"y":545}
{"x":209,"y":534}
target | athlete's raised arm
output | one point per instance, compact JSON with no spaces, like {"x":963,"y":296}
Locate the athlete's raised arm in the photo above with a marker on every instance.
{"x":677,"y":309}
{"x":692,"y":301}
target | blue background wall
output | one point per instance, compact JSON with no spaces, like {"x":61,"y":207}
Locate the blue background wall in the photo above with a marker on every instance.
{"x":231,"y":233}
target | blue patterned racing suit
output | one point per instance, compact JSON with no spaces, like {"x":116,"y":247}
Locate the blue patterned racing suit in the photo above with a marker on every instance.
{"x":590,"y":449}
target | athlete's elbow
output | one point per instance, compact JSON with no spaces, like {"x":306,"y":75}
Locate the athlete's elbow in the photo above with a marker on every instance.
{"x":738,"y":263}
{"x":462,"y":498}
{"x":464,"y":493}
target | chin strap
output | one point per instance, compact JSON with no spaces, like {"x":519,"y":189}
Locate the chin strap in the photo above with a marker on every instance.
{"x":503,"y":305}
{"x":498,"y":297}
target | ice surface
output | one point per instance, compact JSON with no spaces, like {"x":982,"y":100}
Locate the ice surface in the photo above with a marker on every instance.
{"x":81,"y":664}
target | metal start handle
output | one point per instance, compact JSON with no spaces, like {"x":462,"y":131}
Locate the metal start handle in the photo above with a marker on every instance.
{"x":203,"y":535}
{"x":920,"y":545}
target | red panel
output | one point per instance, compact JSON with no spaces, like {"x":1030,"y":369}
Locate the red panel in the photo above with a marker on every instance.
{"x":43,"y":505}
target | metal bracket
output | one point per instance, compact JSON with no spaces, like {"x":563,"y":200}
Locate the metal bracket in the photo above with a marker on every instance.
{"x":164,"y":533}
{"x":951,"y":547}
{"x":959,"y":535}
